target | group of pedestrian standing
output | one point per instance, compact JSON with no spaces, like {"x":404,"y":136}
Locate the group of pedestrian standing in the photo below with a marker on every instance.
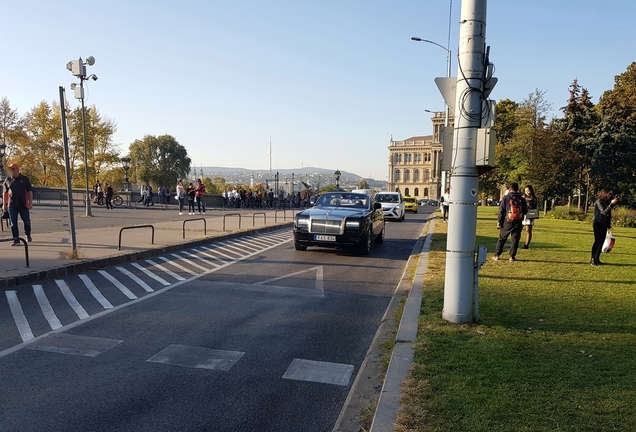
{"x":194,"y":194}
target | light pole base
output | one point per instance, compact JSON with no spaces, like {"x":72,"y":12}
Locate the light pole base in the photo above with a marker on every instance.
{"x":88,"y":207}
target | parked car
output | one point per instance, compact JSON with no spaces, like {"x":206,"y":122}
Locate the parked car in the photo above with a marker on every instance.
{"x":340,"y":219}
{"x":410,"y":204}
{"x":392,"y":205}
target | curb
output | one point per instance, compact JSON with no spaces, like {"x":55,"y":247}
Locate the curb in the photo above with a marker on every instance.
{"x":80,"y":267}
{"x":366,"y":387}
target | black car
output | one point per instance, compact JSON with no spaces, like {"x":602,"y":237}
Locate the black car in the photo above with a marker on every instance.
{"x":340,"y":219}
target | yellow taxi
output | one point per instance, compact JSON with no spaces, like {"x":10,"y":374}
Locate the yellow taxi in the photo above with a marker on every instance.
{"x":410,"y":204}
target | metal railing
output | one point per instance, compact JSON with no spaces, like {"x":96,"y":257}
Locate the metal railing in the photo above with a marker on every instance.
{"x":232,"y":214}
{"x":26,"y":246}
{"x":259,"y":213}
{"x":134,"y":227}
{"x":205,"y":225}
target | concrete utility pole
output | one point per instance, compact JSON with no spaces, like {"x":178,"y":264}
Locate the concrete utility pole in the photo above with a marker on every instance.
{"x":462,"y":220}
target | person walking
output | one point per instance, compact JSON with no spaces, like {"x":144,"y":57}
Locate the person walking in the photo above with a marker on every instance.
{"x":180,"y":194}
{"x":199,"y":191}
{"x":531,"y":204}
{"x":17,"y":199}
{"x":445,"y":201}
{"x":191,"y":192}
{"x":511,"y":213}
{"x":109,"y":196}
{"x":602,"y":222}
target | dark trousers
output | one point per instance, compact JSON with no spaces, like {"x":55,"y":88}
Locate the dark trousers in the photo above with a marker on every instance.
{"x":445,"y":212}
{"x":13,"y":218}
{"x":109,"y":204}
{"x":512,"y":229}
{"x":181,"y":203}
{"x":600,"y":231}
{"x":190,"y":205}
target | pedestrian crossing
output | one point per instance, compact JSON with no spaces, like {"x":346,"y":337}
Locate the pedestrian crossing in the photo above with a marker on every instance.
{"x":30,"y":313}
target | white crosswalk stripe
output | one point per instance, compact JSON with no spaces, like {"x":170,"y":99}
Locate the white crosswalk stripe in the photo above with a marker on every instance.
{"x":190,"y":262}
{"x":95,"y":292}
{"x":216,"y":251}
{"x":45,"y":305}
{"x":162,"y":268}
{"x":123,"y":288}
{"x":199,"y":251}
{"x":18,"y":316}
{"x":71,"y":300}
{"x":177,"y":265}
{"x":151,"y":274}
{"x":134,"y":277}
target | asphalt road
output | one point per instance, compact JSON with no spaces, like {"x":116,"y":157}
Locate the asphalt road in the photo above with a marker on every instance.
{"x":249,"y":335}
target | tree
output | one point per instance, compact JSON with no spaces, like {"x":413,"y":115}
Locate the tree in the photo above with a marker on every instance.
{"x":159,"y":160}
{"x":362,"y":184}
{"x":11,"y":128}
{"x":612,"y":146}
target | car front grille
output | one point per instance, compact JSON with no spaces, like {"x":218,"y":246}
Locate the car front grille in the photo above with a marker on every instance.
{"x":321,"y":226}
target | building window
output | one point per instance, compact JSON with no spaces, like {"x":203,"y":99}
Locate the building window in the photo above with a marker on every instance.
{"x":427,"y":157}
{"x":417,"y":192}
{"x":407,"y":175}
{"x":416,"y":175}
{"x":426,"y":192}
{"x":427,"y":175}
{"x":406,"y":192}
{"x":418,"y":157}
{"x":397,"y":175}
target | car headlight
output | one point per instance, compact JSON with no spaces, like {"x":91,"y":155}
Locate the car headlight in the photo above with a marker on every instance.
{"x":302,"y":223}
{"x":352,"y":224}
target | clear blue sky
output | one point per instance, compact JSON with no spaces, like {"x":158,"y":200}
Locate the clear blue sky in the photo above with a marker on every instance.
{"x":330,"y":81}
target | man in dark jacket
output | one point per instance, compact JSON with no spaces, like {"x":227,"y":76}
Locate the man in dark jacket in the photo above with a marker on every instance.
{"x":18,"y":200}
{"x":512,"y":209}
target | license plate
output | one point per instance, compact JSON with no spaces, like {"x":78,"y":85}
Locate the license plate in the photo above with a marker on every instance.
{"x":319,"y":237}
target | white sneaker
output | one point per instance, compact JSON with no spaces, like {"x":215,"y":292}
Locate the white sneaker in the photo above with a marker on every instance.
{"x":495,"y":258}
{"x":203,"y":212}
{"x":180,"y":213}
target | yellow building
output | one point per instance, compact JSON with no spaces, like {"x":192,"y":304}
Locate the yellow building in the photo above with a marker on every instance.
{"x":414,"y":164}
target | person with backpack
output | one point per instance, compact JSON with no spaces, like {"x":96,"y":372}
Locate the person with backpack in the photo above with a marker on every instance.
{"x":512,"y":210}
{"x":109,"y":196}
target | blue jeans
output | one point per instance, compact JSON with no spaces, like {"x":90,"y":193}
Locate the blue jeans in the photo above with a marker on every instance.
{"x":13,"y":217}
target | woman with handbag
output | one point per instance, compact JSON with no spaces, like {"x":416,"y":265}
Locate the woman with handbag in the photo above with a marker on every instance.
{"x":602,"y":222}
{"x":528,"y":222}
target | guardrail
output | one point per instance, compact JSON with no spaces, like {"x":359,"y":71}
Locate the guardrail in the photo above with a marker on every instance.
{"x":276,"y":215}
{"x":61,"y":195}
{"x":259,"y":213}
{"x":134,"y":227}
{"x":232,"y":214}
{"x":26,"y":246}
{"x":205,"y":225}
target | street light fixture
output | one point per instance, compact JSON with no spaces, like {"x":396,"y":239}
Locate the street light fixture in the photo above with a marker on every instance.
{"x":3,"y":149}
{"x":448,"y":74}
{"x":125,"y":162}
{"x":78,"y":69}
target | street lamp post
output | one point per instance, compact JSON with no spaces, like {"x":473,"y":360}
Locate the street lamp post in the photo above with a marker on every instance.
{"x":78,"y":69}
{"x":446,"y":107}
{"x":125,"y":162}
{"x":3,"y":149}
{"x":337,"y":174}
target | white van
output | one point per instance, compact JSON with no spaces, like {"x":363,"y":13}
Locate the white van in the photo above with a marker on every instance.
{"x":392,"y":205}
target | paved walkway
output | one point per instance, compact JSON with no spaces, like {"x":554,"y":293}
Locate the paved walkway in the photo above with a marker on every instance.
{"x":98,"y":237}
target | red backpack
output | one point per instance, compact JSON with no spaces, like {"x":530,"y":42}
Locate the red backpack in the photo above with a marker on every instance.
{"x":515,"y":212}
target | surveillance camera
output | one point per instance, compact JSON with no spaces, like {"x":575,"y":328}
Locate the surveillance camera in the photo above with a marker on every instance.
{"x":73,"y":85}
{"x":94,"y":77}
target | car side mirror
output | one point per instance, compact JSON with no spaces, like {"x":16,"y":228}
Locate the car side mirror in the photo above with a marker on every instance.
{"x":377,"y":206}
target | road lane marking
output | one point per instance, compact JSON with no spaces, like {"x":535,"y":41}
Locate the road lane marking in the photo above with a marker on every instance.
{"x":179,"y":266}
{"x":216,"y":251}
{"x":230,"y":245}
{"x":195,"y":256}
{"x":62,"y":343}
{"x":95,"y":292}
{"x":197,"y":357}
{"x":151,"y":274}
{"x":71,"y":300}
{"x":199,"y":251}
{"x":47,"y":310}
{"x":189,"y":261}
{"x":317,"y":371}
{"x":319,"y":279}
{"x":162,"y":268}
{"x":27,"y":343}
{"x":123,"y":288}
{"x":18,"y":316}
{"x":134,"y":277}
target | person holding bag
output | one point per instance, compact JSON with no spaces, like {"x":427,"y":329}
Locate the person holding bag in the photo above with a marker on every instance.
{"x":528,"y":222}
{"x":180,"y":196}
{"x":602,"y":222}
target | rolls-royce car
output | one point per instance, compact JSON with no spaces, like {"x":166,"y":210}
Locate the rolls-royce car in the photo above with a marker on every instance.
{"x":392,"y":205}
{"x":341,"y":220}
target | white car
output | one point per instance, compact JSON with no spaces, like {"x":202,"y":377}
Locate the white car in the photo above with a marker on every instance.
{"x":392,"y":205}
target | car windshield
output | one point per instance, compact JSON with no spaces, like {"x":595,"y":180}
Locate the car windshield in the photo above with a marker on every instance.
{"x":340,"y":199}
{"x":387,"y":198}
{"x":409,"y":200}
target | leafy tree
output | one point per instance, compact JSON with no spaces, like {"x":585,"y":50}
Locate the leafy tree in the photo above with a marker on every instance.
{"x":362,"y":184}
{"x":11,"y":128}
{"x":159,"y":160}
{"x":612,"y":146}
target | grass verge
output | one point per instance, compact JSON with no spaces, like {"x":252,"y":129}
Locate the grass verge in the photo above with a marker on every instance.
{"x":554,"y":349}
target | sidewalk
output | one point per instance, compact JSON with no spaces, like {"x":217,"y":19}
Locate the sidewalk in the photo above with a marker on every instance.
{"x":50,"y":253}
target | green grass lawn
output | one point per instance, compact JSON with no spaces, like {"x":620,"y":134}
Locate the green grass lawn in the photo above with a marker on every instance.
{"x":554,"y":350}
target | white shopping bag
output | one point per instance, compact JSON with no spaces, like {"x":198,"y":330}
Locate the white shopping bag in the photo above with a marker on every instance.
{"x":608,"y":244}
